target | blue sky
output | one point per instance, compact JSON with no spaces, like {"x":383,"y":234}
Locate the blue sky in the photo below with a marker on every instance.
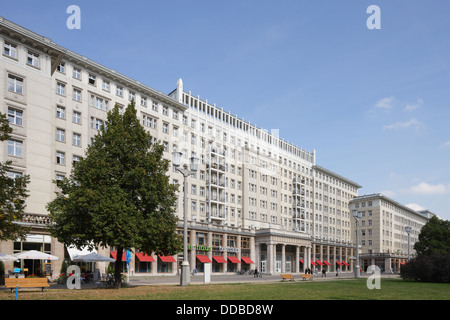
{"x":374,"y":104}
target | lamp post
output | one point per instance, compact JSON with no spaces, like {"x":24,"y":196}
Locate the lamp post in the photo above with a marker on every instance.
{"x":176,"y":161}
{"x":357,"y":215}
{"x":408,"y":229}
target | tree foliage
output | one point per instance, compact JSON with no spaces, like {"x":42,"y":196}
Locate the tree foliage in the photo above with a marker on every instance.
{"x":434,"y":237}
{"x":432,"y":263}
{"x":13,"y":192}
{"x":118,"y":195}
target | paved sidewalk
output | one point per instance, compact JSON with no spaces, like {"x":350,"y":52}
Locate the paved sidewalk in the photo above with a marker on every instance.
{"x":216,"y":279}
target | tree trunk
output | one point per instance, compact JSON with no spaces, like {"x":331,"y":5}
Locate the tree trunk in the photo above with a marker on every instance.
{"x":118,"y":269}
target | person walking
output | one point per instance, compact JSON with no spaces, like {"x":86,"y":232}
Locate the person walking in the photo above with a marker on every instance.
{"x":256,"y":273}
{"x":324,"y":273}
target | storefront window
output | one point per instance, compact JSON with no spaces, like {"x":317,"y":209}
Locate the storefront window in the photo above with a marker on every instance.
{"x":36,"y":242}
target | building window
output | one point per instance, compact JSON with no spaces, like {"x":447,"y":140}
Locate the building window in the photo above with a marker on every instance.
{"x":143,"y":101}
{"x":15,"y":84}
{"x":165,"y":127}
{"x":13,"y":175}
{"x":10,"y":50}
{"x":76,"y":140}
{"x":60,"y":112}
{"x":61,"y":67}
{"x":106,"y":85}
{"x":76,"y":74}
{"x":61,"y":89}
{"x":130,"y":96}
{"x":92,"y":79}
{"x":148,"y":121}
{"x":99,"y":103}
{"x":33,"y":59}
{"x":15,"y":116}
{"x":15,"y":148}
{"x":60,"y":135}
{"x":119,"y":91}
{"x":76,"y":118}
{"x":77,"y":95}
{"x":60,"y":157}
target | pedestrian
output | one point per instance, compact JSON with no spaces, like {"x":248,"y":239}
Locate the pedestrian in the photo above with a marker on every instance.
{"x":337,"y":272}
{"x":256,"y":273}
{"x":324,"y":273}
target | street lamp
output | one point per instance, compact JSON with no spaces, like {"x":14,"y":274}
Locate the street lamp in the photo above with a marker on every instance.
{"x":408,"y":229}
{"x":357,"y":215}
{"x":176,"y":161}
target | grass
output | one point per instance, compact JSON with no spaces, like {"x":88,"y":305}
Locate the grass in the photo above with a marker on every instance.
{"x":354,"y":289}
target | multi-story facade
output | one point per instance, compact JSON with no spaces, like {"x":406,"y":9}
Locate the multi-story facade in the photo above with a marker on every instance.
{"x":256,"y":200}
{"x":383,"y":231}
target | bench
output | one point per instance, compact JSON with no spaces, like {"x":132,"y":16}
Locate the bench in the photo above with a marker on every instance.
{"x":26,"y":283}
{"x":307,"y":276}
{"x":287,"y":276}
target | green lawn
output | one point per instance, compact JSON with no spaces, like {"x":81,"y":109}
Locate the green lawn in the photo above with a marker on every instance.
{"x":391,"y":289}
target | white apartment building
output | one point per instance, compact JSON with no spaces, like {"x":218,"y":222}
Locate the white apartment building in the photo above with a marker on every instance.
{"x":383,"y":231}
{"x":256,"y":201}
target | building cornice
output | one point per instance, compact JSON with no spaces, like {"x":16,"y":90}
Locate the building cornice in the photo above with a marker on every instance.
{"x":58,"y":53}
{"x":331,"y":173}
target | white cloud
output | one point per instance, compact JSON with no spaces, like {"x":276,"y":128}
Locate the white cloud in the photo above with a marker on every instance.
{"x":415,"y":206}
{"x":445,"y":145}
{"x":413,"y":123}
{"x":411,"y":107}
{"x":385,"y":103}
{"x":424,"y":188}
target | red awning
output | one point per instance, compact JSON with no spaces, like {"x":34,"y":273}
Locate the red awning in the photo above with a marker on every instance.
{"x":301,"y":260}
{"x":203,"y":259}
{"x":326,"y":262}
{"x":346,"y":263}
{"x":114,"y":255}
{"x":234,"y":260}
{"x":313,"y":263}
{"x":219,"y":259}
{"x":402,"y":263}
{"x":166,"y":258}
{"x":339,"y":263}
{"x":143,"y":257}
{"x":247,"y":260}
{"x":318,"y":262}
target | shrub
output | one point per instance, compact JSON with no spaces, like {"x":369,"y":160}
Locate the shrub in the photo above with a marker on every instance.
{"x":427,"y":268}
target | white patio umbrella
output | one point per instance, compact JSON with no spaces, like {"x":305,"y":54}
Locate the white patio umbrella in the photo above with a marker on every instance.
{"x":7,"y":257}
{"x":35,"y":255}
{"x":92,"y":257}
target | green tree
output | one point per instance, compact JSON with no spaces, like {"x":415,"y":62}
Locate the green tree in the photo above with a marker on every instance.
{"x":119,"y":194}
{"x":13,"y":192}
{"x":434,"y":237}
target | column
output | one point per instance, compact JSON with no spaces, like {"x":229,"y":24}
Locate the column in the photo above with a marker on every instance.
{"x":239,"y":256}
{"x":297,"y":259}
{"x":254,"y":253}
{"x":313,"y":252}
{"x":193,"y":252}
{"x":321,"y":257}
{"x":225,"y":253}
{"x":283,"y":258}
{"x":271,"y":258}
